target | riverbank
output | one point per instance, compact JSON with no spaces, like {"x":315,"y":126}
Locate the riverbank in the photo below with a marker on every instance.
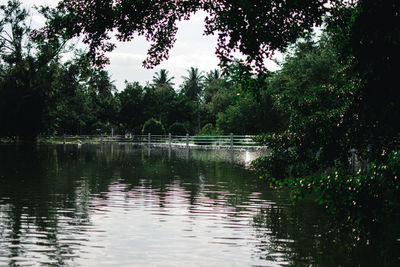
{"x":367,"y":196}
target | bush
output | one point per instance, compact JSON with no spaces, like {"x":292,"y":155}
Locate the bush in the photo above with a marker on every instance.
{"x":207,"y":135}
{"x":207,"y":129}
{"x":178,"y":128}
{"x":153,"y":126}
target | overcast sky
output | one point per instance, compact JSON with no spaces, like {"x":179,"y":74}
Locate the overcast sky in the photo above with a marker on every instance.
{"x":192,"y":48}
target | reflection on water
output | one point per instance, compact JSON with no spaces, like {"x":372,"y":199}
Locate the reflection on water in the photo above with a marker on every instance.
{"x":121,"y":206}
{"x":236,"y":156}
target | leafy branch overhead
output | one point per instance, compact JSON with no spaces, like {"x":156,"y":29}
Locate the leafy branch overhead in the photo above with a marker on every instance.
{"x":256,"y":28}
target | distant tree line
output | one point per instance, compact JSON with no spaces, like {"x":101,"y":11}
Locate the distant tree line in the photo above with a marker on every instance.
{"x":41,"y":94}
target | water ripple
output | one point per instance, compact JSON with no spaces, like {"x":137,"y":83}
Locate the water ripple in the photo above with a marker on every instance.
{"x":127,"y":214}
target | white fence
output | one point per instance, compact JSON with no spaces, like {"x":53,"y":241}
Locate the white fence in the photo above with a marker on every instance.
{"x":228,"y":141}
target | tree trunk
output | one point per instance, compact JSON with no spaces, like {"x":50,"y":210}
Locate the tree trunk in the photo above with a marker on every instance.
{"x":198,"y":116}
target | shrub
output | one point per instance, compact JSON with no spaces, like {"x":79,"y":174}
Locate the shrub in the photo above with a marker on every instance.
{"x":153,"y":126}
{"x":178,"y":128}
{"x":207,"y":129}
{"x":207,"y":136}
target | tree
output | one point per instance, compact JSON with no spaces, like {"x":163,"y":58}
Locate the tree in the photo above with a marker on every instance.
{"x":184,"y":110}
{"x":163,"y":95}
{"x":213,"y":81}
{"x":161,"y":79}
{"x":218,"y":94}
{"x":212,"y":75}
{"x":69,"y":106}
{"x":177,"y":128}
{"x":370,"y":49}
{"x":82,"y":99}
{"x":246,"y":107}
{"x":256,"y":27}
{"x":308,"y":90}
{"x":102,"y":91}
{"x":153,"y":126}
{"x":192,"y":88}
{"x":132,"y":107}
{"x":28,"y":68}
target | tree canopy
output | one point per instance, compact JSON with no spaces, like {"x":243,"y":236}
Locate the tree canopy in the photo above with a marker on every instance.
{"x":255,"y":27}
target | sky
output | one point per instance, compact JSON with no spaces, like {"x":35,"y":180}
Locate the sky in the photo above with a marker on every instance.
{"x":192,"y":49}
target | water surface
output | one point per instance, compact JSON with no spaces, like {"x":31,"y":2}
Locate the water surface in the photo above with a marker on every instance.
{"x":120,"y":205}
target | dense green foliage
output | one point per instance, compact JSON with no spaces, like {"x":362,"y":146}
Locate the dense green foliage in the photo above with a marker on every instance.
{"x":363,"y":196}
{"x":27,"y":69}
{"x":206,"y":135}
{"x":38,"y":93}
{"x":177,"y":128}
{"x":340,"y":95}
{"x":255,"y":27}
{"x":305,"y":92}
{"x":153,"y":126}
{"x":208,"y":129}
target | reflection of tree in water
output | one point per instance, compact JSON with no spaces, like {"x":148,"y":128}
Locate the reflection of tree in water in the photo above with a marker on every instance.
{"x":305,"y":236}
{"x":302,"y":235}
{"x":46,"y":191}
{"x":39,"y":202}
{"x":46,"y":194}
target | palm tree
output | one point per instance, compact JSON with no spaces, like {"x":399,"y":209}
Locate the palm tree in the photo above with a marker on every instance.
{"x":193,"y":84}
{"x":162,"y":92}
{"x":212,"y":83}
{"x":193,"y":87}
{"x":161,"y":78}
{"x":212,"y":75}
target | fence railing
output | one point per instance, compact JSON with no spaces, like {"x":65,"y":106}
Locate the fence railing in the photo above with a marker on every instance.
{"x":150,"y":139}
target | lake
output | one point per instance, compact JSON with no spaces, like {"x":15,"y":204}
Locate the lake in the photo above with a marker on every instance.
{"x":121,"y":205}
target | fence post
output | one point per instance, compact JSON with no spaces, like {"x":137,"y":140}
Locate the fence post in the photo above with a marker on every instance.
{"x":231,"y":141}
{"x":101,"y":138}
{"x":112,"y":132}
{"x":353,"y":160}
{"x":64,"y":140}
{"x":169,"y":139}
{"x":148,"y":139}
{"x":187,"y":140}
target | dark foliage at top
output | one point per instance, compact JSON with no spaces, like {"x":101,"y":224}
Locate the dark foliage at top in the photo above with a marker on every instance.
{"x":256,"y":28}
